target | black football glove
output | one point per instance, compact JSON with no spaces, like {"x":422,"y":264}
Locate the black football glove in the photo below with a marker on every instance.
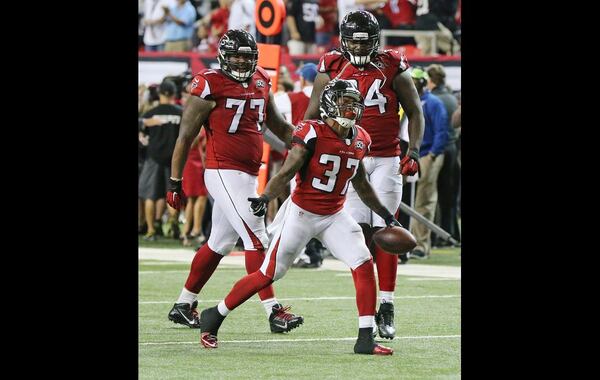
{"x":259,"y":205}
{"x":391,"y":221}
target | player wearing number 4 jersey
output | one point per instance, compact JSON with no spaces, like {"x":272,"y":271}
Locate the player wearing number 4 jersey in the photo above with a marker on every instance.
{"x":382,"y":79}
{"x":232,"y":103}
{"x":326,"y":154}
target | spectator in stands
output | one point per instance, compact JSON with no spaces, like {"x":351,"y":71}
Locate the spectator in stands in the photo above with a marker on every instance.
{"x":399,"y":15}
{"x":162,"y":127}
{"x":241,"y":16}
{"x":437,"y":15}
{"x":180,"y":19}
{"x":326,"y":25}
{"x":150,"y":99}
{"x":450,"y":172}
{"x":301,"y":17}
{"x":214,"y":25}
{"x":293,"y":104}
{"x":154,"y":24}
{"x":431,"y":161}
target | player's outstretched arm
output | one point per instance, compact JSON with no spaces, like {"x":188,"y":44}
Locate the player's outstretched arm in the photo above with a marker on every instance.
{"x":294,"y":161}
{"x":276,"y":123}
{"x":195,"y":113}
{"x":312,"y":112}
{"x":367,"y":195}
{"x":411,"y":103}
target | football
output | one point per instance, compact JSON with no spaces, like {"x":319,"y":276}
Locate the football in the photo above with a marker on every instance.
{"x":396,"y":240}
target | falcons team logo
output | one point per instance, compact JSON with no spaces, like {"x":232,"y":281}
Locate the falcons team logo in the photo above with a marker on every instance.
{"x":195,"y":83}
{"x":360,"y":145}
{"x":298,"y":128}
{"x":260,"y":83}
{"x":379,"y":64}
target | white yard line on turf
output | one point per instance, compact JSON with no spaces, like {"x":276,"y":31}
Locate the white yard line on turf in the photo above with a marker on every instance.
{"x":413,"y":270}
{"x":299,"y":340}
{"x":318,"y":298}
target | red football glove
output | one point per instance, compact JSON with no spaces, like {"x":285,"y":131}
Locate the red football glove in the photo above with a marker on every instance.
{"x":409,"y":165}
{"x":174,"y":194}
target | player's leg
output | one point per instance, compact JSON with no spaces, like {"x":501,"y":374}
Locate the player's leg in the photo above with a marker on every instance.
{"x":222,"y":239}
{"x":199,"y":207}
{"x":234,"y":188}
{"x":204,"y":263}
{"x":345,"y":240}
{"x":388,"y":186}
{"x":425,"y":203}
{"x":288,"y":240}
{"x":146,"y":186}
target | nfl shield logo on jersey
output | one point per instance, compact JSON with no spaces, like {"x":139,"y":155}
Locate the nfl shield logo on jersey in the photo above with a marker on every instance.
{"x":360,"y":144}
{"x":260,"y":83}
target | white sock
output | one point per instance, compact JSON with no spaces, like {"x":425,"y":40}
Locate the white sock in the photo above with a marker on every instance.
{"x":186,"y":296}
{"x":223,"y":310}
{"x":268,"y":305}
{"x":366,"y":321}
{"x":387,"y":297}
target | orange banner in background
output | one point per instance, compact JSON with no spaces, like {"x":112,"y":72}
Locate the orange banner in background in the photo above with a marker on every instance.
{"x":269,"y":57}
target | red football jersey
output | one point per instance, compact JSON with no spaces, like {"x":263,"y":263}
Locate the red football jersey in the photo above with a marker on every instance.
{"x":234,"y":126}
{"x":322,"y":183}
{"x":400,"y":12}
{"x":299,"y":102}
{"x":380,"y":117}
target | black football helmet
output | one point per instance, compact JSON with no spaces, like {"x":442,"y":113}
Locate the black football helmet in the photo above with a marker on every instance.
{"x":236,"y":42}
{"x":360,"y":27}
{"x":334,"y":106}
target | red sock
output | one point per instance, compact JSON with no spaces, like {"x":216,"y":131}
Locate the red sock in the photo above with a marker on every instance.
{"x":387,"y":267}
{"x":204,"y":264}
{"x":254,"y":260}
{"x":366,"y":290}
{"x":246,"y":288}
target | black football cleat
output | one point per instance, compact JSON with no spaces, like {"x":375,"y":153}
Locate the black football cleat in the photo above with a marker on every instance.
{"x":365,"y":344}
{"x":385,"y":320}
{"x":184,"y":314}
{"x":281,"y":321}
{"x":210,"y":321}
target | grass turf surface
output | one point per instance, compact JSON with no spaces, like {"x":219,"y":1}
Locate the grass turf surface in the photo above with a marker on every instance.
{"x":428,"y":328}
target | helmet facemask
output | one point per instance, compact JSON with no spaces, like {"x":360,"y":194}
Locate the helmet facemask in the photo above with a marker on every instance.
{"x":345,"y":106}
{"x":360,"y":47}
{"x":239,"y":65}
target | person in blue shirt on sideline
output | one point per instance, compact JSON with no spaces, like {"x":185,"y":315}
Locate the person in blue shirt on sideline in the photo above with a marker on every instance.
{"x":179,"y":26}
{"x":431,"y":160}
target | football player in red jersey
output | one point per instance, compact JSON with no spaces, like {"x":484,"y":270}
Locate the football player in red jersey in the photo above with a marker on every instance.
{"x":382,"y":79}
{"x":232,"y":103}
{"x":326,"y":156}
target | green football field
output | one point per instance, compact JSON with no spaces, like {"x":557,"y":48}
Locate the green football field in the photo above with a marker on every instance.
{"x":427,"y":343}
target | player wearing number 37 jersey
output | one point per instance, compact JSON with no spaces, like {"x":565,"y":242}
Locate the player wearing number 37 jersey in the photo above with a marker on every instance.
{"x":232,"y":103}
{"x":326,"y":156}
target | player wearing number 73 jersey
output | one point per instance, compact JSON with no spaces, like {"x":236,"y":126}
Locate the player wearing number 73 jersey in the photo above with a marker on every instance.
{"x":232,"y":103}
{"x":383,"y":81}
{"x":326,"y":156}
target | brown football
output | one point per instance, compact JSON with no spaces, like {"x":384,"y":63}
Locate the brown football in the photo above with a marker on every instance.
{"x":396,"y":240}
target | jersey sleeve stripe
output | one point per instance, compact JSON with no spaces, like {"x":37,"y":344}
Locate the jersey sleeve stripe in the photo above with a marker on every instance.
{"x":310,"y":135}
{"x":206,"y":90}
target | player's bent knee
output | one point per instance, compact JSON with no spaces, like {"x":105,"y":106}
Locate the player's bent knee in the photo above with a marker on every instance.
{"x":360,"y":261}
{"x":221,"y":249}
